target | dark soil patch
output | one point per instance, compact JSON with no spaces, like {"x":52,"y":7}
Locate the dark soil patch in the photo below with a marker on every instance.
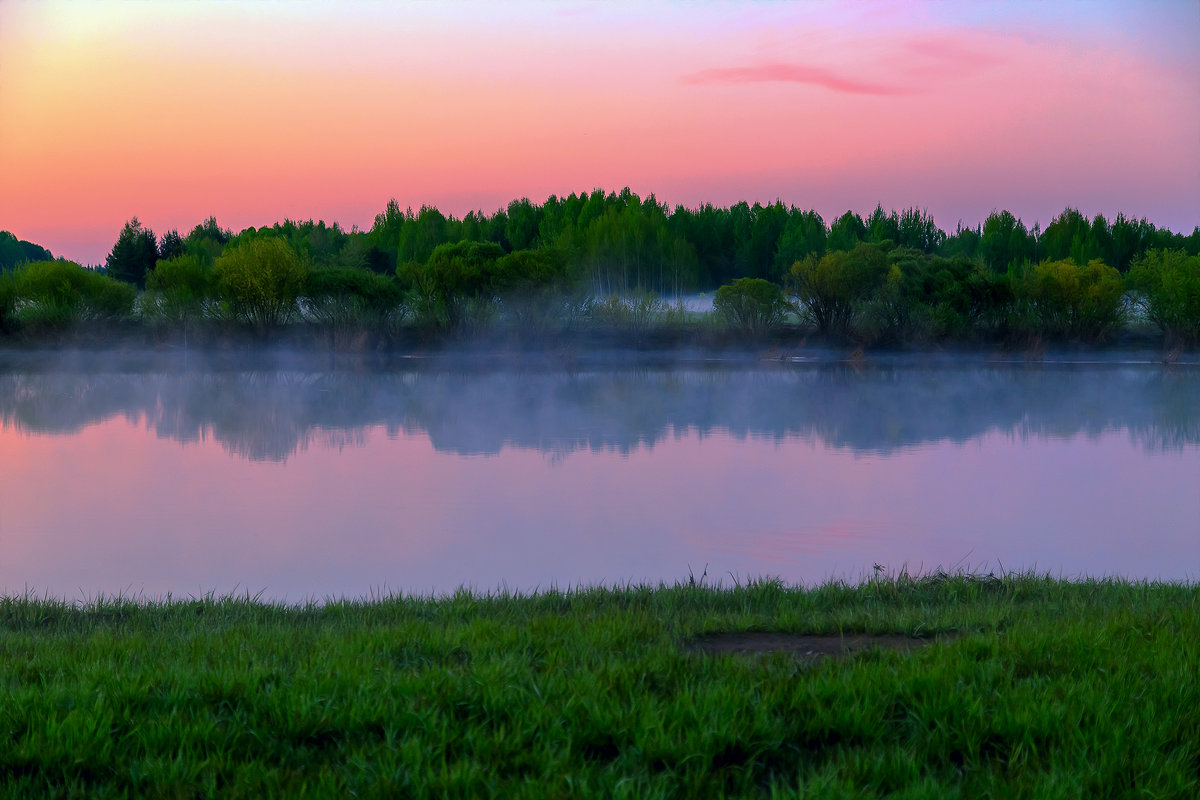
{"x":804,"y":646}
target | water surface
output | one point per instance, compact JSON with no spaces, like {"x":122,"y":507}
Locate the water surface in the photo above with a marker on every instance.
{"x":299,"y":484}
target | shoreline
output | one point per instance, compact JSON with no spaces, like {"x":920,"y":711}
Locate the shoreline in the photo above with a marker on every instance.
{"x":946,"y":685}
{"x":302,"y":353}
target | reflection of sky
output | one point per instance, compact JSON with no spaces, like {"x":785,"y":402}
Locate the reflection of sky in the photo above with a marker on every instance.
{"x":115,"y":508}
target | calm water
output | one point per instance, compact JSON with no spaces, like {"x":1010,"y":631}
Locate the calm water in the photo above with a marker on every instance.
{"x":298,"y":484}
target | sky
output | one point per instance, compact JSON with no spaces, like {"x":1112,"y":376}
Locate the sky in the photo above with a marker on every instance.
{"x":259,"y":111}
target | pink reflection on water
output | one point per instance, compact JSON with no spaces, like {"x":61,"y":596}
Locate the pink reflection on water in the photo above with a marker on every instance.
{"x":114,"y":508}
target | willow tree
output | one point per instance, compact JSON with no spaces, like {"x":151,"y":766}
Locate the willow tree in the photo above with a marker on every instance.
{"x":261,"y":279}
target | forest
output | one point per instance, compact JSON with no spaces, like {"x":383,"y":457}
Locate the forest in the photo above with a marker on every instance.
{"x":616,"y":261}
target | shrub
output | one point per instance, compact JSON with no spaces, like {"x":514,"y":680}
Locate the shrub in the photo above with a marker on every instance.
{"x":261,"y":279}
{"x":342,"y":296}
{"x":1168,"y":285}
{"x":752,"y":305}
{"x":462,"y":269}
{"x":946,"y":297}
{"x":179,"y":289}
{"x":832,"y":288}
{"x":57,"y":293}
{"x":635,"y":312}
{"x":453,"y":274}
{"x":1066,"y":300}
{"x":893,"y":313}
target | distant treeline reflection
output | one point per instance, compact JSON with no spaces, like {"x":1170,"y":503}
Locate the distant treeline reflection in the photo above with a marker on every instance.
{"x":272,"y":415}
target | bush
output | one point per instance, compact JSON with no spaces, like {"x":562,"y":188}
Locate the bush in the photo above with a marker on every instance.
{"x":453,"y":271}
{"x":954,"y":298}
{"x":752,"y":305}
{"x":1066,"y":300}
{"x":832,"y":288}
{"x":58,"y":293}
{"x":1168,"y":284}
{"x":347,"y":296}
{"x":179,"y":289}
{"x":635,"y":312}
{"x":261,"y":279}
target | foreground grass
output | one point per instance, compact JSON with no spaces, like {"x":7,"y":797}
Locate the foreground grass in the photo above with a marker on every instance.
{"x":1032,"y":687}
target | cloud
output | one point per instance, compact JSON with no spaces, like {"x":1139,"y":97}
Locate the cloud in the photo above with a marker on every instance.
{"x":940,"y":56}
{"x":792,"y":73}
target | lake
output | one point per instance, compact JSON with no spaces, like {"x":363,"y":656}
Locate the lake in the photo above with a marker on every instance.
{"x":292,"y":481}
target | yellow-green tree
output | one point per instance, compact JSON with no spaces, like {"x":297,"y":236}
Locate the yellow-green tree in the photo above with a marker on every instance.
{"x":178,"y":289}
{"x":1067,"y":300}
{"x":831,"y":288}
{"x":261,"y":280}
{"x":1168,"y":287}
{"x":59,"y":293}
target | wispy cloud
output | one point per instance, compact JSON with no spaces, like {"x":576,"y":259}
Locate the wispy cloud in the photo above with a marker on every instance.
{"x":942,"y":55}
{"x":792,"y":73}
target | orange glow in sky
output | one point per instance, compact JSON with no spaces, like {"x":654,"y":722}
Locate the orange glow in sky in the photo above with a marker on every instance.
{"x":254,"y":112}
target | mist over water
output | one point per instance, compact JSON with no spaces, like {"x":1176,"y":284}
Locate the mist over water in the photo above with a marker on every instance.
{"x":299,"y":482}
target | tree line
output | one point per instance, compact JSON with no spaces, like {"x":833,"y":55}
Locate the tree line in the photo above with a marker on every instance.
{"x":887,"y":276}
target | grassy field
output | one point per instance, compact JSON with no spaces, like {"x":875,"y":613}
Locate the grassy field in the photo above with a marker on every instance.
{"x":1020,"y":687}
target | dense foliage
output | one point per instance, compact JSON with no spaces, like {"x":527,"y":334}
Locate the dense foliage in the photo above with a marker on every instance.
{"x":1072,"y":301}
{"x":262,"y":279}
{"x":134,"y":254}
{"x":1168,"y":283}
{"x":889,"y":278}
{"x":179,"y":289}
{"x":55,"y":294}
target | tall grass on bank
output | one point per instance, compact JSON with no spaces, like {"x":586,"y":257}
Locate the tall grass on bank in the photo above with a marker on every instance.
{"x":1031,"y":687}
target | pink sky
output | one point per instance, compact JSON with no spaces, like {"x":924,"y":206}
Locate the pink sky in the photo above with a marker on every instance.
{"x":259,"y":111}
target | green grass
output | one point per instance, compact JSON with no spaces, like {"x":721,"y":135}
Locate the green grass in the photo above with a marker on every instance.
{"x":1033,"y":688}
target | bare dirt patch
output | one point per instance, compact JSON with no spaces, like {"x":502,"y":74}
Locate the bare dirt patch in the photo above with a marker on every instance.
{"x":804,"y":646}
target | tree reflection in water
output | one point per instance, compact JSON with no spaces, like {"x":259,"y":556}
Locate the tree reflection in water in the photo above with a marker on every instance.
{"x":270,"y":415}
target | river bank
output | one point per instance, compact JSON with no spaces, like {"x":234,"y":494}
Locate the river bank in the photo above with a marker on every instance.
{"x":1017,"y":685}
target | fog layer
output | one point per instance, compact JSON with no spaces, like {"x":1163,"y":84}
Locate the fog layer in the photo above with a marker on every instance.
{"x":270,"y":415}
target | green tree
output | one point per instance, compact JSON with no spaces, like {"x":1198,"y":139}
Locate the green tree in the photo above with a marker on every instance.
{"x":1130,"y":239}
{"x":179,"y":288}
{"x":1168,"y":282}
{"x":918,"y":231}
{"x":134,"y":254}
{"x":58,"y":293}
{"x":1005,"y":243}
{"x":804,"y":236}
{"x":170,"y":246}
{"x":882,"y":226}
{"x":831,"y":288}
{"x":1072,"y":301}
{"x":758,"y":251}
{"x":420,"y":234}
{"x":1065,"y":237}
{"x":846,"y":232}
{"x":207,"y":240}
{"x":14,"y":251}
{"x":963,"y":242}
{"x":341,"y":297}
{"x":261,"y":279}
{"x":521,"y":228}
